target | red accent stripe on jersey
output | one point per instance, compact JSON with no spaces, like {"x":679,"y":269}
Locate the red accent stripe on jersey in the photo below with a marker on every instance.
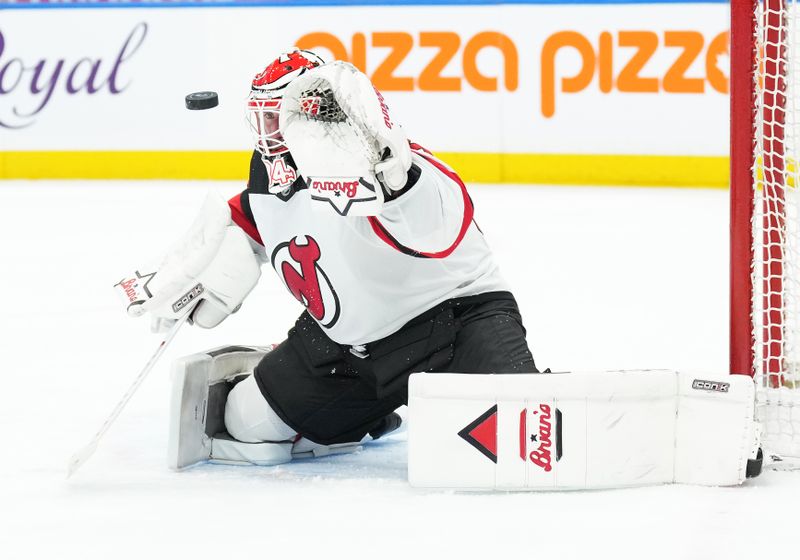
{"x":415,"y":146}
{"x":240,"y":218}
{"x":469,"y":210}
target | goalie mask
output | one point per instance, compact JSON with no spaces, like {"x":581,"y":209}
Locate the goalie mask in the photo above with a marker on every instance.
{"x":263,"y":109}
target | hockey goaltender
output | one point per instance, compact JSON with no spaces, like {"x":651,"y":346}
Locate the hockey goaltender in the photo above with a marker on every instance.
{"x":376,"y":238}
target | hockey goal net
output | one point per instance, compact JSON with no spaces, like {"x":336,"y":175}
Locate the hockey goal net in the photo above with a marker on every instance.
{"x":765,"y":215}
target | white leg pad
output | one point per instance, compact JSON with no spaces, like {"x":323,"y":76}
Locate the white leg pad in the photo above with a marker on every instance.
{"x":194,"y":417}
{"x":257,"y":436}
{"x":250,"y":418}
{"x":579,"y":430}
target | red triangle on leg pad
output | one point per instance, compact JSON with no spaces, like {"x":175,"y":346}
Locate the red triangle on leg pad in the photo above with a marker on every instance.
{"x":481,"y":433}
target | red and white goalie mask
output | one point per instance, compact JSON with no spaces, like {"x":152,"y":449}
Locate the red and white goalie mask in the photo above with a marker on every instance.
{"x":263,"y":109}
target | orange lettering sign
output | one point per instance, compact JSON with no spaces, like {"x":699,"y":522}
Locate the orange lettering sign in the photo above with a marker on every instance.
{"x":632,"y":77}
{"x":401,"y":44}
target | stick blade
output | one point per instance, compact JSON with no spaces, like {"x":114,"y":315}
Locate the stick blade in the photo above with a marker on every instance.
{"x":77,"y":460}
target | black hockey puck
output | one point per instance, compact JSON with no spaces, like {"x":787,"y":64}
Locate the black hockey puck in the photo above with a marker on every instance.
{"x":202,"y":100}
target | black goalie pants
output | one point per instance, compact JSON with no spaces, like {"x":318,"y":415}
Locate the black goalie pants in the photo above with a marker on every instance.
{"x":332,"y":393}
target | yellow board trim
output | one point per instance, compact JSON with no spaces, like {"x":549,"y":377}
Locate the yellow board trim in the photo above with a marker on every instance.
{"x":124,"y":165}
{"x":549,"y":169}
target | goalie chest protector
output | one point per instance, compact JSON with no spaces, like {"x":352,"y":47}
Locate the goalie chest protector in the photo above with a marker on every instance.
{"x":362,"y":278}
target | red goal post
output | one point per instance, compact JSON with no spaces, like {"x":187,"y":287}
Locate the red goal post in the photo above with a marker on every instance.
{"x":765,"y":214}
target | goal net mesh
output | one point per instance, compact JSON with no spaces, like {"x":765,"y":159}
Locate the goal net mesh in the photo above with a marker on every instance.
{"x":776,"y":226}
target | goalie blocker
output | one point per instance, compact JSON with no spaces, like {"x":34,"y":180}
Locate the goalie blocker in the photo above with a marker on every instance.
{"x":581,"y":430}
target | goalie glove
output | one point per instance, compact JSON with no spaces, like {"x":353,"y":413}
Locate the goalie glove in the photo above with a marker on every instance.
{"x":339,"y":131}
{"x":208,"y":273}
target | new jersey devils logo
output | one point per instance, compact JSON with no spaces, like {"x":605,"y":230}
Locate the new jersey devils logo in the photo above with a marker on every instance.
{"x":297,"y":263}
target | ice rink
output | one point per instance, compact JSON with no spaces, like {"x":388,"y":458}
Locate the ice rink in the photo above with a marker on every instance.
{"x":605,"y":277}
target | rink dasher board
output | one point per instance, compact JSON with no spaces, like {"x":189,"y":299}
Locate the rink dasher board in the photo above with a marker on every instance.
{"x":131,"y":69}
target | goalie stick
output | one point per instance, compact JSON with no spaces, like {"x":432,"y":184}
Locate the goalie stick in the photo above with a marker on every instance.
{"x":83,"y":455}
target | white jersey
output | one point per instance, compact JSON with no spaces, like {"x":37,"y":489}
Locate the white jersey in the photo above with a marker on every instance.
{"x":362,"y":278}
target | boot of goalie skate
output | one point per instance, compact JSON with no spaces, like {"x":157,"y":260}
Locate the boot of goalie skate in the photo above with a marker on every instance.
{"x":755,"y":465}
{"x":305,"y":448}
{"x":386,"y":425}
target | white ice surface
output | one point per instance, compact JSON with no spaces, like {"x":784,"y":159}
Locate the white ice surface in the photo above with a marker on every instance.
{"x":606,"y":278}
